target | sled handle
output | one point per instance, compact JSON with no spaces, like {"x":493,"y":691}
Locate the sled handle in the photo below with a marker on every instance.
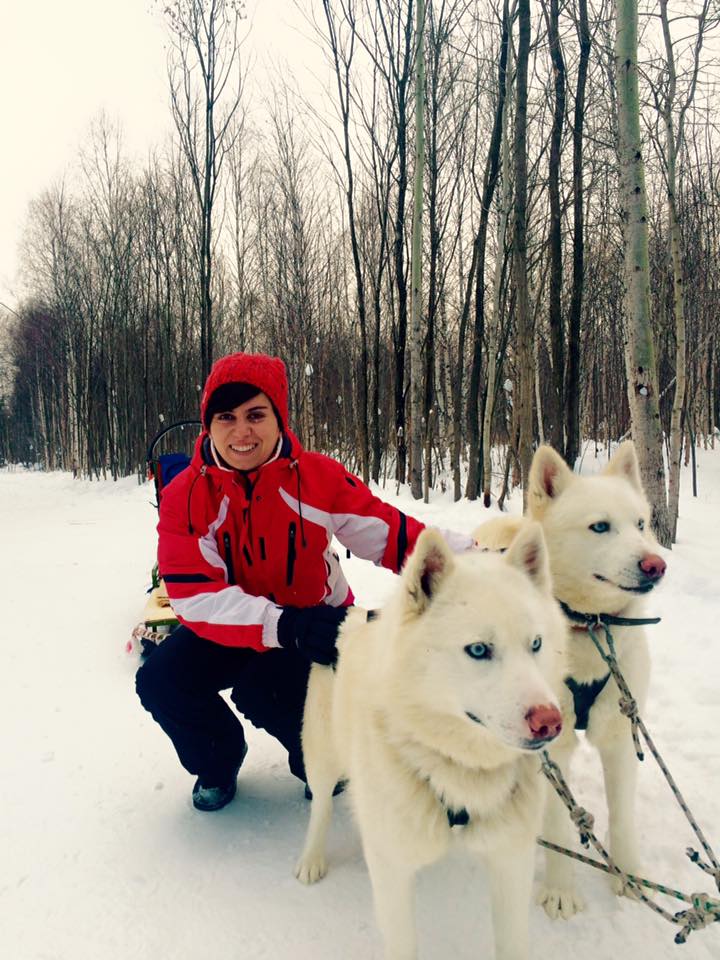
{"x":158,"y":436}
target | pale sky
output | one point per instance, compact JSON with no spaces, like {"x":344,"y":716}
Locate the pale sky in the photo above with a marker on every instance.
{"x":62,"y":61}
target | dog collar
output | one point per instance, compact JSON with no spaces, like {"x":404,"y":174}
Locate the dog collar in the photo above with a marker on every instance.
{"x":609,"y":619}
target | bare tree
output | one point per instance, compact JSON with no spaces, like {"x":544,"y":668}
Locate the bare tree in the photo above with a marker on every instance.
{"x":520,"y":266}
{"x":674,"y":130}
{"x":342,"y":48}
{"x":205,"y":93}
{"x":416,"y":332}
{"x":551,"y":11}
{"x":109,"y":339}
{"x":572,"y":381}
{"x":494,"y":323}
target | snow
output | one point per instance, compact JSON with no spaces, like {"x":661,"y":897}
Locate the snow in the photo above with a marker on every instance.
{"x":103,"y":855}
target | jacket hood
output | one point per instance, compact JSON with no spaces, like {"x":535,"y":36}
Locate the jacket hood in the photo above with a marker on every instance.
{"x":266,"y":373}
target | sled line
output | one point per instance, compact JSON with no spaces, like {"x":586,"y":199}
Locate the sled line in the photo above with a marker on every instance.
{"x":628,"y":707}
{"x":705,"y":909}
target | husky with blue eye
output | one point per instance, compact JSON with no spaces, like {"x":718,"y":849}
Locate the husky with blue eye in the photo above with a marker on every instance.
{"x":437,"y":714}
{"x":603,"y":560}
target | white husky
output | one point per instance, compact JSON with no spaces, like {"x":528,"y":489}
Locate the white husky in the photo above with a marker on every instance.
{"x":603,"y":558}
{"x":435,"y":714}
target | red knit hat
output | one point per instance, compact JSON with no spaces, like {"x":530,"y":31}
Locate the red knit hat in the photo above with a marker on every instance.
{"x":266,"y":373}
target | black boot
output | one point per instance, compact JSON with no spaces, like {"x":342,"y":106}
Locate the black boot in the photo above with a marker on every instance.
{"x":207,"y":797}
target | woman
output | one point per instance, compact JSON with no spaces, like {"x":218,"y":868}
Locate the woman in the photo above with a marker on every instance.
{"x":245,"y":550}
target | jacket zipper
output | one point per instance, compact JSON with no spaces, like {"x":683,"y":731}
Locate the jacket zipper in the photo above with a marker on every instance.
{"x":292,"y":531}
{"x":228,"y":558}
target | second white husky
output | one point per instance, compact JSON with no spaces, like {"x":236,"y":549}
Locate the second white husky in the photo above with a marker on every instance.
{"x":436,"y":713}
{"x":603,"y":560}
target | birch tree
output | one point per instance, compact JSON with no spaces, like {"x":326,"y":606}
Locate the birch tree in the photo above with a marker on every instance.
{"x":674,"y":135}
{"x":640,"y":361}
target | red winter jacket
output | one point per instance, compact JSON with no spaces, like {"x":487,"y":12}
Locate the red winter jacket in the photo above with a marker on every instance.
{"x":233,"y":552}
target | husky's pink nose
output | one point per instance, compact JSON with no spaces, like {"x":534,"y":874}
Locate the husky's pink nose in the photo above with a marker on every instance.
{"x":545,"y":722}
{"x":653,"y":566}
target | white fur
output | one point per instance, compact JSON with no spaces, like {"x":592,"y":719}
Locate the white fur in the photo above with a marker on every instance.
{"x":567,"y":505}
{"x":394,"y":719}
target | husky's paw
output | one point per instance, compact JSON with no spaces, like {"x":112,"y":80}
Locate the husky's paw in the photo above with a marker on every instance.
{"x":311,"y":869}
{"x":560,"y":902}
{"x":623,"y":889}
{"x":628,"y":861}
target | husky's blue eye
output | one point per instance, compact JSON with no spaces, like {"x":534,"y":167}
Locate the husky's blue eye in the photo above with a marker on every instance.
{"x":641,"y":524}
{"x":536,"y":644}
{"x":479,"y":651}
{"x":602,"y":526}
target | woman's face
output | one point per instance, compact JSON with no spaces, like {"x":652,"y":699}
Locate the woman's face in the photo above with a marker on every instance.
{"x":246,"y":436}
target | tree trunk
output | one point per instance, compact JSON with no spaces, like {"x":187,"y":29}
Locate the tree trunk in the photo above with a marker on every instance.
{"x":204,"y":43}
{"x":572,"y":383}
{"x":490,"y":179}
{"x":416,"y":333}
{"x":642,"y":382}
{"x":342,"y":63}
{"x":493,"y":327}
{"x":673,"y":145}
{"x":401,"y":79}
{"x":522,"y":300}
{"x":555,"y":317}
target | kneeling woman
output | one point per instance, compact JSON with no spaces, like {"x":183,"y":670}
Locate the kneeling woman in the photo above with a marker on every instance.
{"x":245,"y":550}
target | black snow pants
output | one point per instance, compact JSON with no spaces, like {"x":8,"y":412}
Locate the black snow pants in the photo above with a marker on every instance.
{"x":179,"y":685}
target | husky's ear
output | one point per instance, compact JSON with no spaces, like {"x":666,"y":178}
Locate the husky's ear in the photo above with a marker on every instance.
{"x":429,"y":564}
{"x":624,"y":463}
{"x":549,"y":476}
{"x":528,"y":552}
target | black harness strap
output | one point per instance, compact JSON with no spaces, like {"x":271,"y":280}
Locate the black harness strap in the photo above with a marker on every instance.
{"x":402,"y":541}
{"x":458,"y":818}
{"x":584,"y":696}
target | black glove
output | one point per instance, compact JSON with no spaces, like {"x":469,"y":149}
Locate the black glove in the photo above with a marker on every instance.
{"x":312,"y":631}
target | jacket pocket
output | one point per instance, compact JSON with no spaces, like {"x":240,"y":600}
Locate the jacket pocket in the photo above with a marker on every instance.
{"x":292,"y":533}
{"x":228,"y":558}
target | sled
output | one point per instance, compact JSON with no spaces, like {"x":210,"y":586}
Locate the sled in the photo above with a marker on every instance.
{"x":158,"y":618}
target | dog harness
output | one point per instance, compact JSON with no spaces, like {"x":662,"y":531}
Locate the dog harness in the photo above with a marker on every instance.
{"x":585,"y":694}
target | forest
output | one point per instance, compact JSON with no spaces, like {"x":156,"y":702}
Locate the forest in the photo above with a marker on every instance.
{"x":497,"y":227}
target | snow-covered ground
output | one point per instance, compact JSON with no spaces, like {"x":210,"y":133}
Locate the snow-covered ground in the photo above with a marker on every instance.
{"x":103,"y":855}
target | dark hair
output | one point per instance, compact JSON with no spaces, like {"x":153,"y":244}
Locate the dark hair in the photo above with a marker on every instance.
{"x":231,"y":395}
